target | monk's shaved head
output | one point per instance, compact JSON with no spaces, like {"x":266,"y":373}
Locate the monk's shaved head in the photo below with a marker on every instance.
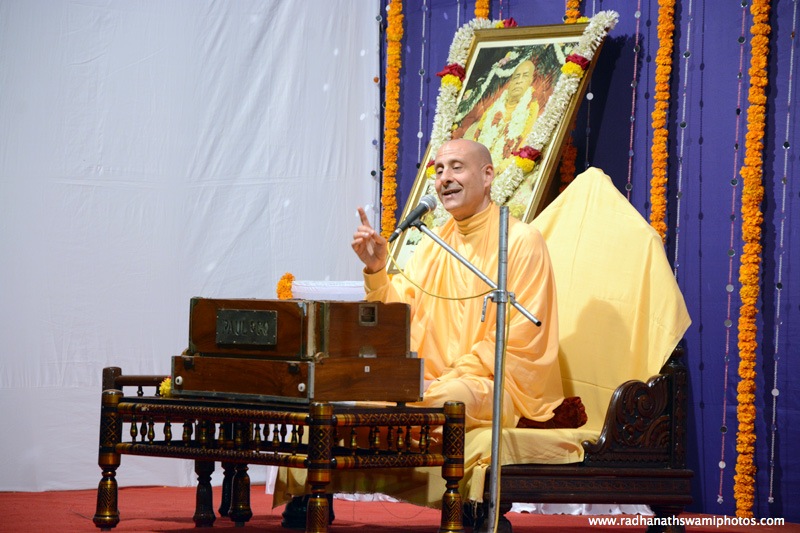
{"x":464,"y":174}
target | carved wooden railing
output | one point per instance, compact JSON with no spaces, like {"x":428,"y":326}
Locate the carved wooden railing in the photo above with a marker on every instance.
{"x":319,"y":437}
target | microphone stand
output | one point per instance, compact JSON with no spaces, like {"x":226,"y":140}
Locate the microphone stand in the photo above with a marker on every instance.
{"x":501,"y":297}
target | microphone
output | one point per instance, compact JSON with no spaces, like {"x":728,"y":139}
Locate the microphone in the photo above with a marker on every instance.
{"x":426,"y":203}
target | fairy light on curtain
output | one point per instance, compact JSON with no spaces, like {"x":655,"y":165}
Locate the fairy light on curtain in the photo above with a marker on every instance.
{"x":422,"y":71}
{"x":750,"y":263}
{"x":634,"y":83}
{"x":589,"y":98}
{"x":780,"y":253}
{"x":687,"y":54}
{"x":729,"y":288}
{"x":658,"y":180}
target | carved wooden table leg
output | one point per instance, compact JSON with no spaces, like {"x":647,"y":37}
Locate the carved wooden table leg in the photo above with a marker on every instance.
{"x":320,"y":444}
{"x":453,"y":468}
{"x":227,"y":488}
{"x":107,"y":513}
{"x":204,"y":497}
{"x":240,"y":511}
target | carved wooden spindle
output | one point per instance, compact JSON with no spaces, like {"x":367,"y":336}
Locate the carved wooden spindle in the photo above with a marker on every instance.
{"x":203,"y":433}
{"x":390,"y":438}
{"x":187,"y":432}
{"x":134,"y":432}
{"x":256,"y":440}
{"x":238,"y":435}
{"x":139,"y":391}
{"x":409,"y":440}
{"x":374,"y":439}
{"x":167,"y":432}
{"x":283,"y":433}
{"x":401,"y":443}
{"x":276,"y":440}
{"x":151,"y":431}
{"x":143,"y":430}
{"x":354,"y":440}
{"x":221,"y":436}
{"x":423,"y":438}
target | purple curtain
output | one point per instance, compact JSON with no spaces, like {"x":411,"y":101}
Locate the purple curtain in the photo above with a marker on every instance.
{"x":704,"y":193}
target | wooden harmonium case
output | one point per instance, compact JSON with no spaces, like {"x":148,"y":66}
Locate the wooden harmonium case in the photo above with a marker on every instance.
{"x":299,"y":351}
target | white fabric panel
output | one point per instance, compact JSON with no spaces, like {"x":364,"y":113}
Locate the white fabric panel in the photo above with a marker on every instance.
{"x":152,"y":151}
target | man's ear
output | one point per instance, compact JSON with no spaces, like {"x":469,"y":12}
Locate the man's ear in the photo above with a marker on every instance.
{"x":488,"y":174}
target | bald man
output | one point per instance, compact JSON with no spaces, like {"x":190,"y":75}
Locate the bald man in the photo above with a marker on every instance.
{"x":459,"y":348}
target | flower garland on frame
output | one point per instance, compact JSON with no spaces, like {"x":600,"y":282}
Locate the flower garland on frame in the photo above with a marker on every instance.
{"x":658,"y":180}
{"x":524,"y":159}
{"x":391,"y":139}
{"x":749,"y":269}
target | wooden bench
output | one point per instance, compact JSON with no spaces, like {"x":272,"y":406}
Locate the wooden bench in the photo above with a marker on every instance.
{"x":319,"y":438}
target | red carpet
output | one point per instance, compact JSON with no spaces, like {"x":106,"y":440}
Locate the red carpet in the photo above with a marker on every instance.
{"x":170,"y":509}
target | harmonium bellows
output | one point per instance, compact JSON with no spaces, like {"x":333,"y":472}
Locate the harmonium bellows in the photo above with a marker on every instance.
{"x":298,"y":350}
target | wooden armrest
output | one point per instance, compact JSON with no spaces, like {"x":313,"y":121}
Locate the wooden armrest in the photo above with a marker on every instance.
{"x":113,"y":379}
{"x":645,"y":422}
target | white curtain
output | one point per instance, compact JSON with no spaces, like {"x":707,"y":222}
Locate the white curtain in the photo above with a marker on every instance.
{"x":153,"y":151}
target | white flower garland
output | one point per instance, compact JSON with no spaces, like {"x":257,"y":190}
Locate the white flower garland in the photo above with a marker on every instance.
{"x":505,"y":184}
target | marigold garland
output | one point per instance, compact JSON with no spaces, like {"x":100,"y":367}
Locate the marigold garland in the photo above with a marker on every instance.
{"x":749,"y":270}
{"x":284,"y":288}
{"x":658,"y":180}
{"x":570,"y":154}
{"x":572,"y":11}
{"x":391,"y":139}
{"x":481,"y":9}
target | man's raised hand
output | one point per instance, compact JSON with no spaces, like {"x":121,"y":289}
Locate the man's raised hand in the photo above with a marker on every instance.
{"x":369,"y":245}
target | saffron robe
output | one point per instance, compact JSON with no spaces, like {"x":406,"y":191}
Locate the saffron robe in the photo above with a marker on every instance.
{"x":449,"y":334}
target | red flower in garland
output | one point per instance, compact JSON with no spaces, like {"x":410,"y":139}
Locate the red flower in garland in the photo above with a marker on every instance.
{"x":527,"y":152}
{"x":509,"y":23}
{"x":455,"y":69}
{"x":578,"y":60}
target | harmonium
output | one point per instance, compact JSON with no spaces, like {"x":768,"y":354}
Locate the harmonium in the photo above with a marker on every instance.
{"x":298,"y":351}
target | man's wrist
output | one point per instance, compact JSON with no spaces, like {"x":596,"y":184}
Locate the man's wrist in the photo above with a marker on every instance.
{"x":371,"y":270}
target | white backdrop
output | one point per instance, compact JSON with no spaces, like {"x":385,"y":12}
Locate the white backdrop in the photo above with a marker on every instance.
{"x":152,"y":151}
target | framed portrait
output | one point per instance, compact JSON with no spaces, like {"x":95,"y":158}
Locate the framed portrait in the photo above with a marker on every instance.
{"x":517,"y":99}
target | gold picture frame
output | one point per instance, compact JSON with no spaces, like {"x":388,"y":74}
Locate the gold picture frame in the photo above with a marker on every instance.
{"x":497,"y":60}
